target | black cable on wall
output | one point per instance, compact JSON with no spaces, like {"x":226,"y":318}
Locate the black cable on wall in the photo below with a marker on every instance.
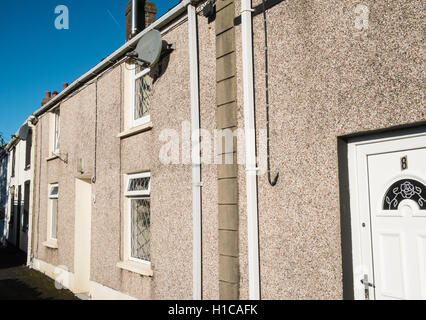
{"x":268,"y":138}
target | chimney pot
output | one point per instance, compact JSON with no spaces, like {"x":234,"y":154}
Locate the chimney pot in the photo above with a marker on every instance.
{"x":145,"y":16}
{"x":65,"y":85}
{"x":46,"y":98}
{"x":55,"y":93}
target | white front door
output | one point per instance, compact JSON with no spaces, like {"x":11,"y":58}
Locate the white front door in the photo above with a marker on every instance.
{"x":388,"y":216}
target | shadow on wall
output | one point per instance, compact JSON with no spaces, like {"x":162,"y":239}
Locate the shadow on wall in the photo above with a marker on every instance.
{"x":3,"y":192}
{"x":15,"y":222}
{"x":3,"y":181}
{"x":160,"y":68}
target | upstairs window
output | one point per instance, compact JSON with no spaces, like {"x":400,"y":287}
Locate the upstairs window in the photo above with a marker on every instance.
{"x":142,"y":88}
{"x":138,"y":192}
{"x":13,"y":161}
{"x":28,"y":146}
{"x":56,"y":132}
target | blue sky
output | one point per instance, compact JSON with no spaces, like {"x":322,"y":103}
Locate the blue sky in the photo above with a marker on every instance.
{"x":36,"y":57}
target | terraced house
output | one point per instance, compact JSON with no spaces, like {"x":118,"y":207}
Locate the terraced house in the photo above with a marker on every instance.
{"x":17,"y":174}
{"x":3,"y":187}
{"x":320,"y":196}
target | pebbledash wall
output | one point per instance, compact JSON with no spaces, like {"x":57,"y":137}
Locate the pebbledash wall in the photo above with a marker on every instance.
{"x":93,"y":128}
{"x":327,"y":80}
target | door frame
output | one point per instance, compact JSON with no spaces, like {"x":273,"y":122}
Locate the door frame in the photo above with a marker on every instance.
{"x":82,"y":235}
{"x":359,"y":205}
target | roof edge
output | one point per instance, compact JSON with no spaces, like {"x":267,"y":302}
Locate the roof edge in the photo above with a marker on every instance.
{"x":175,"y":12}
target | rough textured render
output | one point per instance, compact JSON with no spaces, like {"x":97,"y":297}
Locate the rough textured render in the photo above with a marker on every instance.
{"x":171,"y":196}
{"x":210,"y":250}
{"x":99,"y":108}
{"x":76,"y":141}
{"x":326,"y":80}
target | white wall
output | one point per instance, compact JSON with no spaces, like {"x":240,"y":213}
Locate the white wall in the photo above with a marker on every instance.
{"x":21,"y":176}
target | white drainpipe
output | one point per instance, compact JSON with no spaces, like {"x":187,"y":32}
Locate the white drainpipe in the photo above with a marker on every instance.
{"x":196,"y":161}
{"x":250,"y":144}
{"x":30,"y":251}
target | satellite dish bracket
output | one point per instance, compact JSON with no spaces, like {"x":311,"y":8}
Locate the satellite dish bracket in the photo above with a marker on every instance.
{"x":148,"y":49}
{"x":134,"y":56}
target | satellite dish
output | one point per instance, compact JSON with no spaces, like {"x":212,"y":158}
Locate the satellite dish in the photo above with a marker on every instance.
{"x":23,"y":132}
{"x":149,"y":48}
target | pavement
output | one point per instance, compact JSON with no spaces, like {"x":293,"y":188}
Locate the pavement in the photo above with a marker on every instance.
{"x":18,"y":282}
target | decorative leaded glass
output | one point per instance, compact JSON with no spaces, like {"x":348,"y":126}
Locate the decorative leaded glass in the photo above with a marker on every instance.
{"x":405,"y":189}
{"x":139,"y":184}
{"x":143,"y":87}
{"x":140,"y":228}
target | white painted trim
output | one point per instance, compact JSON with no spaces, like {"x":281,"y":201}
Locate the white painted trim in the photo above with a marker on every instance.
{"x":358,"y":151}
{"x":66,"y":279}
{"x":32,"y":190}
{"x":250,"y":143}
{"x":132,"y":195}
{"x":130,"y":132}
{"x":144,"y":72}
{"x":57,"y":273}
{"x":51,"y":239}
{"x":196,"y":154}
{"x":141,"y":267}
{"x":82,"y":234}
{"x":165,"y":19}
{"x":56,"y":131}
{"x":138,"y":193}
{"x":51,"y":243}
{"x":146,"y":119}
{"x":101,"y":292}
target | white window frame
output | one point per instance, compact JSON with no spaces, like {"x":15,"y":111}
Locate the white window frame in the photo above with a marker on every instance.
{"x":138,"y":193}
{"x":56,"y":131}
{"x":135,"y":195}
{"x":135,"y":76}
{"x":52,"y":197}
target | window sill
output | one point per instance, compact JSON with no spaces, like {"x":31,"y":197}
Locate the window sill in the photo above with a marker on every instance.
{"x":52,"y":244}
{"x":52,"y":157}
{"x":135,"y":130}
{"x":136,"y":267}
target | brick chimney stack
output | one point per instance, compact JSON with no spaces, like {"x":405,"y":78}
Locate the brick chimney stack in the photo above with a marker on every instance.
{"x":150,"y":13}
{"x":145,"y":16}
{"x":46,"y":98}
